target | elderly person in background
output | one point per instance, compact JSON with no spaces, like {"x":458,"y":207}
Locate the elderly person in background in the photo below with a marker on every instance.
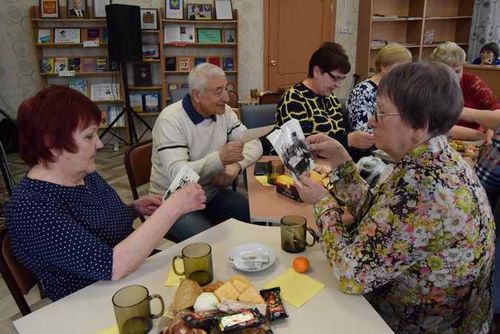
{"x":202,"y":132}
{"x":66,"y":223}
{"x":422,"y":245}
{"x":488,"y":55}
{"x":313,"y":103}
{"x":477,"y":94}
{"x":362,"y":101}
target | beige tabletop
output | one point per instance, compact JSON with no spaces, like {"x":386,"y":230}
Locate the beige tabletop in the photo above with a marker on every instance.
{"x":90,"y":310}
{"x":266,"y":205}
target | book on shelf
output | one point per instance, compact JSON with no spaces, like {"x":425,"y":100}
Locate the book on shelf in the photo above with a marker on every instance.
{"x":105,"y":92}
{"x":74,"y":64}
{"x":227,"y":64}
{"x":229,"y":36}
{"x":214,"y":60}
{"x":113,"y":112}
{"x":136,"y":102}
{"x":101,"y":64}
{"x":47,"y":65}
{"x":67,"y":35}
{"x":104,"y":35}
{"x":176,"y":33}
{"x":170,"y":64}
{"x":60,"y":64}
{"x":87,"y":64}
{"x":93,"y":34}
{"x":79,"y":84}
{"x":199,"y":60}
{"x":151,"y":51}
{"x":114,"y":66}
{"x":152,"y":102}
{"x":142,"y":74}
{"x":184,"y":63}
{"x":44,"y":36}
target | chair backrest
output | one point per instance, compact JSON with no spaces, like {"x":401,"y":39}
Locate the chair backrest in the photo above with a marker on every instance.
{"x":5,"y":170}
{"x":18,"y":278}
{"x":270,"y":97}
{"x":138,"y":165}
{"x":254,"y":116}
{"x":178,"y":94}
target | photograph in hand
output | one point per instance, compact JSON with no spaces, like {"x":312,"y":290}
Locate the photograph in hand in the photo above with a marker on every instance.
{"x":184,"y":176}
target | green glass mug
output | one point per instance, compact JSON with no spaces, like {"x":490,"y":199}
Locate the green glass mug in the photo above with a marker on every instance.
{"x":133,"y":311}
{"x":197,"y":259}
{"x":293,"y":234}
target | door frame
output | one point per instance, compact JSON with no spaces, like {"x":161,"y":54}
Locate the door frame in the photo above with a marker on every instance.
{"x":267,"y":4}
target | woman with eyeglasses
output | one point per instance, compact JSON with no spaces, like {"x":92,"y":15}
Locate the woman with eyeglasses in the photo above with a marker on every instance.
{"x":477,"y":94}
{"x":313,"y":103}
{"x":422,"y":244}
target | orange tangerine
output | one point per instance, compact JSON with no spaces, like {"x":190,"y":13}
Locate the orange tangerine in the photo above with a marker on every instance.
{"x":300,"y":264}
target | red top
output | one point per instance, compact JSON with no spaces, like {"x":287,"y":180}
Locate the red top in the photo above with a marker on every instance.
{"x":478,"y":95}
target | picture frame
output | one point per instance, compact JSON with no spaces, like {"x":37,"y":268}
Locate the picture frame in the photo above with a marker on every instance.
{"x":209,"y":36}
{"x":76,"y":9}
{"x":174,"y":9}
{"x":151,"y":51}
{"x":67,"y":36}
{"x":149,"y":19}
{"x":199,"y":11}
{"x":224,"y":10}
{"x":49,"y":9}
{"x":99,"y":8}
{"x":142,"y":75}
{"x":152,"y":102}
{"x":184,"y":63}
{"x":229,"y":36}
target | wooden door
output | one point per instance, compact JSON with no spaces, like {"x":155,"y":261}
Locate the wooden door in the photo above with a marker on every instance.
{"x":293,"y":30}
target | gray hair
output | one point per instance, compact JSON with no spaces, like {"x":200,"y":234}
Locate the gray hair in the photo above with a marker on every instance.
{"x":449,"y":53}
{"x":426,"y":95}
{"x":200,"y":74}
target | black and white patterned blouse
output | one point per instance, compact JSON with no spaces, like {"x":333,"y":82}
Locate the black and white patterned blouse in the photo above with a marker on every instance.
{"x":361,"y":105}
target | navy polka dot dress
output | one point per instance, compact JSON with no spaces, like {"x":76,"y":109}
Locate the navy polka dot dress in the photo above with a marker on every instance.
{"x":66,"y":235}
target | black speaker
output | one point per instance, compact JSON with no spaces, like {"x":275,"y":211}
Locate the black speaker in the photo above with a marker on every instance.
{"x":124,"y":33}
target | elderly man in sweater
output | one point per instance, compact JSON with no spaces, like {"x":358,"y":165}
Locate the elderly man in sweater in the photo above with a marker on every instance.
{"x":202,"y":131}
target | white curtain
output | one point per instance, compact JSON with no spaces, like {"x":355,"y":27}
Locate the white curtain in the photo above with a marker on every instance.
{"x":485,"y":26}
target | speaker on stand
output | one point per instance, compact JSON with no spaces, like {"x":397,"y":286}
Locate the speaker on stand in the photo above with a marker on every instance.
{"x":124,"y":45}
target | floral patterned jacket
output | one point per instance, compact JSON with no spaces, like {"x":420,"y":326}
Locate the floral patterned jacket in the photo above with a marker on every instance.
{"x":422,"y":246}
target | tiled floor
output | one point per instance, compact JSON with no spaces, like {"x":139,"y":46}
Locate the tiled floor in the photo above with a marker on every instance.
{"x":110,"y":166}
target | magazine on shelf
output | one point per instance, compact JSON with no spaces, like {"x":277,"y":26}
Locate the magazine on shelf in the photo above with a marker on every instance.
{"x":47,"y":65}
{"x":105,"y":92}
{"x":74,"y":64}
{"x":79,"y":84}
{"x":227,"y":64}
{"x":87,"y":64}
{"x":66,"y":35}
{"x":60,"y":64}
{"x":152,"y":102}
{"x":179,"y":34}
{"x":101,"y":64}
{"x":136,"y":102}
{"x":44,"y":36}
{"x":171,"y":64}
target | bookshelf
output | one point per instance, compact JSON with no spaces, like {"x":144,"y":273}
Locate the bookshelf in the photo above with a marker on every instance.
{"x":420,"y":25}
{"x":223,"y":53}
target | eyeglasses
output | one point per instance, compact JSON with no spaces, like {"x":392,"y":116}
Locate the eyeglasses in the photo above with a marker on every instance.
{"x":378,"y":116}
{"x":335,"y":78}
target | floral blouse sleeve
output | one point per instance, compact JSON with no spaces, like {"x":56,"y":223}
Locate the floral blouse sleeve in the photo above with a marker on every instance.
{"x":361,"y":105}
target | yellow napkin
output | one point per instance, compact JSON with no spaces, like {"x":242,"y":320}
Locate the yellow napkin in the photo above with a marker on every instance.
{"x":110,"y":330}
{"x":173,"y":279}
{"x":263,"y":180}
{"x":296,"y":288}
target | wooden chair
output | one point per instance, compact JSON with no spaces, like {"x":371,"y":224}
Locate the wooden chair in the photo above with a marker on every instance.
{"x":270,"y":97}
{"x":18,"y":278}
{"x":138,"y":166}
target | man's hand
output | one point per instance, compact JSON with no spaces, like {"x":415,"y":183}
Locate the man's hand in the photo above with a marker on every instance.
{"x":231,"y":152}
{"x":360,"y":139}
{"x":228,"y":175}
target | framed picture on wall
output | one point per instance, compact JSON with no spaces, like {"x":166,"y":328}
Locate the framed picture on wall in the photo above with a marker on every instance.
{"x":49,"y":9}
{"x":223,"y":10}
{"x":174,"y":9}
{"x":99,"y":8}
{"x":77,"y":8}
{"x":199,"y":11}
{"x":149,"y":19}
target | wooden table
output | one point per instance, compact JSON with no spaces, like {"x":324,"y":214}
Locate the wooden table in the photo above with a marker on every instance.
{"x":266,"y":205}
{"x":90,"y":310}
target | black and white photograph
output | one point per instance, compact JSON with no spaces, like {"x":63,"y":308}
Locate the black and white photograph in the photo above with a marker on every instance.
{"x":184,"y":176}
{"x":199,"y":11}
{"x":77,"y":9}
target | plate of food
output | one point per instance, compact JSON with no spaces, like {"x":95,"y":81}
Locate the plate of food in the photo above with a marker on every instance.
{"x":252,"y":257}
{"x":467,"y":148}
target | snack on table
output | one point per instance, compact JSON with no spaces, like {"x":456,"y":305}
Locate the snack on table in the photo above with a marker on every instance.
{"x":227,"y":292}
{"x":275,"y":307}
{"x":186,"y":295}
{"x":212,"y":286}
{"x":207,"y":301}
{"x":252,"y":296}
{"x":467,"y":150}
{"x":238,"y":321}
{"x":179,"y":326}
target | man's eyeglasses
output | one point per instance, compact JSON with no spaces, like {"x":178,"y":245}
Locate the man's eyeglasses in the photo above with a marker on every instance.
{"x":335,"y":78}
{"x":379,"y":116}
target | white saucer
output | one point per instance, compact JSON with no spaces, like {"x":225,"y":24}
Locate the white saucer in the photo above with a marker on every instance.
{"x":252,"y":257}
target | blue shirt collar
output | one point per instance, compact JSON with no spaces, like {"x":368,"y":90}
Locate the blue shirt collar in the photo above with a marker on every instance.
{"x":194,"y":115}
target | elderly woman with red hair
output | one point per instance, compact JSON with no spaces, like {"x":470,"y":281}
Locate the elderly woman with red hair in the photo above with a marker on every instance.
{"x":66,"y":223}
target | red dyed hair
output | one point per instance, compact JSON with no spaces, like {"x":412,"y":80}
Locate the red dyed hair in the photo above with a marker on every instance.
{"x":48,"y":120}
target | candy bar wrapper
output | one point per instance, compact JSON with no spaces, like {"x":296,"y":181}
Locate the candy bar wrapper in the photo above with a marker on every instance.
{"x":238,"y":321}
{"x":275,"y":307}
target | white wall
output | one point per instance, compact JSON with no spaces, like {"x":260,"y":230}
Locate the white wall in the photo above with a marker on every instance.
{"x":18,"y":69}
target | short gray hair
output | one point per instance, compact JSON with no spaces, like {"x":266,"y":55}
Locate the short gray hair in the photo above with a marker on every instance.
{"x":425,"y":94}
{"x":449,"y":53}
{"x":200,"y":74}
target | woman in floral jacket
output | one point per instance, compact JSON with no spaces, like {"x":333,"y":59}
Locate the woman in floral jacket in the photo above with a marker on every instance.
{"x":421,"y":247}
